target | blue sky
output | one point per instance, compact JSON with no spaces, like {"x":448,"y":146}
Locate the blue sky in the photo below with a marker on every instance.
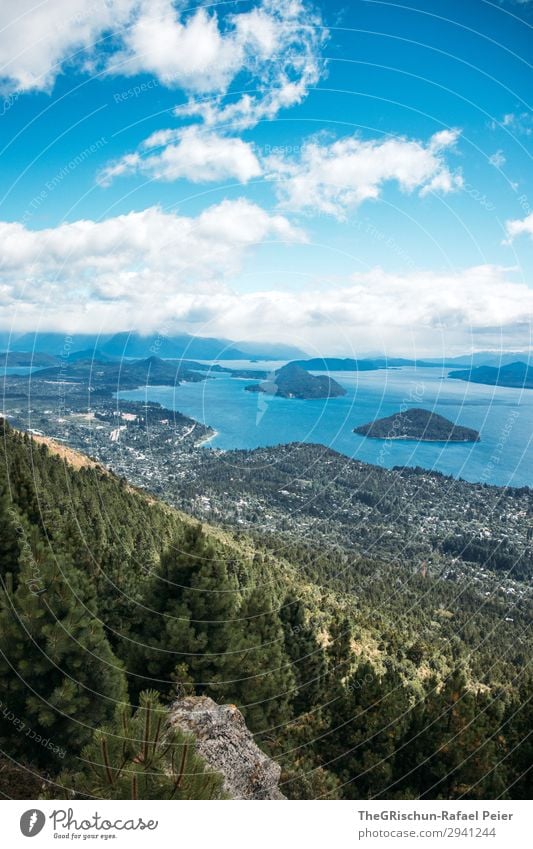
{"x":351,"y":176}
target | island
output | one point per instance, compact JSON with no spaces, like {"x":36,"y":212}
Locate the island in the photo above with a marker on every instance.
{"x":292,"y":381}
{"x":513,"y":376}
{"x":420,"y":425}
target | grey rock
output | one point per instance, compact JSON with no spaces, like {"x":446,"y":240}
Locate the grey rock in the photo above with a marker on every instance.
{"x":226,"y":744}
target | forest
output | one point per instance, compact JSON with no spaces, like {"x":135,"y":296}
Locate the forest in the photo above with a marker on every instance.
{"x":363,"y":679}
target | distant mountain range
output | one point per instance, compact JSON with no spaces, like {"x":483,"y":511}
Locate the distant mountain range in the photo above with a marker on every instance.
{"x":374,"y":363}
{"x":363,"y":364}
{"x":135,"y":345}
{"x":513,"y":376}
{"x":184,"y":346}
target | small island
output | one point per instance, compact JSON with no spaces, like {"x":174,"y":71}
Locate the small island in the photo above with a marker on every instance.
{"x":420,"y":425}
{"x":292,"y":381}
{"x":512,"y":376}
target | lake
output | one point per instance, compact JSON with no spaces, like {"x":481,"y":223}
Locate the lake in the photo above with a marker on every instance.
{"x":504,"y":418}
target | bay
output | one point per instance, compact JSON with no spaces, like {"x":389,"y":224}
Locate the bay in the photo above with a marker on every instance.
{"x":504,"y":418}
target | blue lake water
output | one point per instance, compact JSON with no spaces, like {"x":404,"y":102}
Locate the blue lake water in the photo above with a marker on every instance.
{"x":504,"y":418}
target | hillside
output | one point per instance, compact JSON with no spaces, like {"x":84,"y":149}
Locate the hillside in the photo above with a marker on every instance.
{"x":417,"y":424}
{"x":514,"y":375}
{"x":108,"y":595}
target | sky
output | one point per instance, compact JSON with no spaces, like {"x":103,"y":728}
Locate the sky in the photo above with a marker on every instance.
{"x":350,"y":177}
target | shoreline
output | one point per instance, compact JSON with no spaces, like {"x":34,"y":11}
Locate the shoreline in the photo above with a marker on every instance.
{"x":207,"y":438}
{"x":418,"y":439}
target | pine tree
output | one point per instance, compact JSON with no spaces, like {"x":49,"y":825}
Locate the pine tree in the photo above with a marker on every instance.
{"x":367,"y":722}
{"x":10,"y":520}
{"x":61,"y":677}
{"x":307,"y":656}
{"x":141,"y":756}
{"x":457,"y":742}
{"x":266,"y":686}
{"x":190,"y":619}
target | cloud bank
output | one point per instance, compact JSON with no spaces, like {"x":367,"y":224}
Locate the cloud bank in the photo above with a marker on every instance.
{"x":153,"y":269}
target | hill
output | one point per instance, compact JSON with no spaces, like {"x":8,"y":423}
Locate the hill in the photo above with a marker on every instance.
{"x":420,"y":425}
{"x":363,"y":364}
{"x":11,"y":359}
{"x":292,"y":381}
{"x":513,"y":375}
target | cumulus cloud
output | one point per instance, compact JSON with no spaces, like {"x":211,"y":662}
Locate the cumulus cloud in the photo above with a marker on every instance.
{"x":420,"y":312}
{"x":190,"y":153}
{"x":139,"y":265}
{"x":153,"y":269}
{"x":281,"y":44}
{"x":518,"y":227}
{"x":334,"y":177}
{"x":36,"y":39}
{"x":276,"y":44}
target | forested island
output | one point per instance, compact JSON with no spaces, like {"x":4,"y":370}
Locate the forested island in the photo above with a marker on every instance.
{"x":418,"y":424}
{"x":293,"y":381}
{"x":513,"y":376}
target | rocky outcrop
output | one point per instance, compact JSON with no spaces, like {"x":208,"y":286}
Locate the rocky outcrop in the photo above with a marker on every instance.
{"x":226,"y":744}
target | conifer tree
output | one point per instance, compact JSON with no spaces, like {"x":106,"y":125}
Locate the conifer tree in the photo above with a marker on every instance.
{"x":307,"y":656}
{"x":60,"y":676}
{"x":138,"y":755}
{"x":266,"y":686}
{"x":190,"y":618}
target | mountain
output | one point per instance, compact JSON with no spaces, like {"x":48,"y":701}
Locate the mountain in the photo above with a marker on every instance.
{"x":132,"y":344}
{"x":514,"y":375}
{"x":420,"y":425}
{"x":270,"y":351}
{"x":292,"y":381}
{"x":57,"y":344}
{"x":94,"y":355}
{"x":363,"y":364}
{"x":496,"y":359}
{"x":12,"y":359}
{"x":113,"y":603}
{"x":193,"y":347}
{"x":125,"y":374}
{"x":336,"y":364}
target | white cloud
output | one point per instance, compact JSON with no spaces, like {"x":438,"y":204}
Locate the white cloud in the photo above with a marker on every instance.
{"x":281,"y":43}
{"x":192,"y":153}
{"x":334,"y":177}
{"x":519,"y":123}
{"x":151,"y":270}
{"x":139,"y":266}
{"x":276,"y":44}
{"x":497,"y":159}
{"x":193,"y":54}
{"x":518,"y":227}
{"x":36,"y":38}
{"x":421,"y":312}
